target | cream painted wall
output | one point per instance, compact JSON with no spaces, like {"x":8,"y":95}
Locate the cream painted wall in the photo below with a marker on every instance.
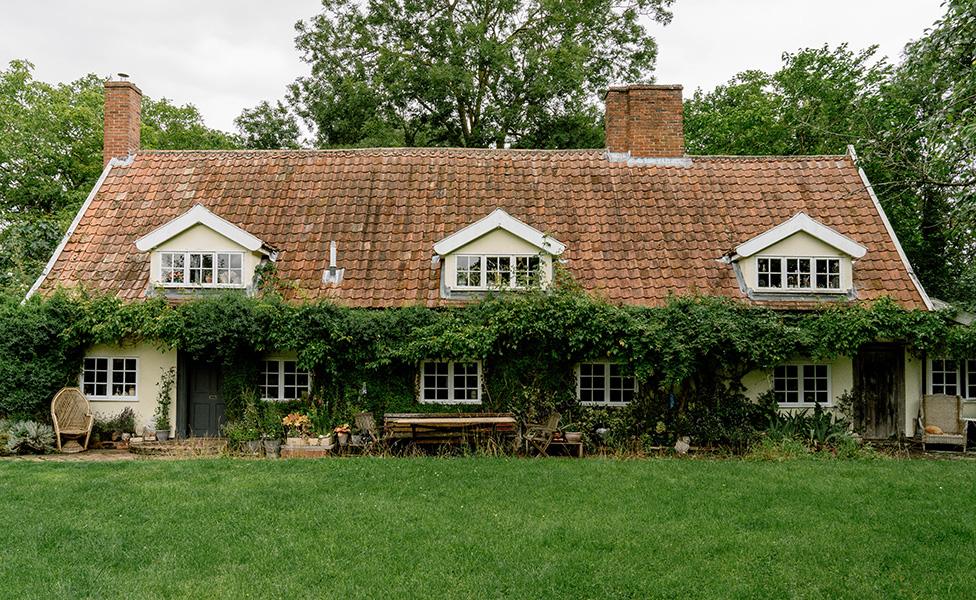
{"x":500,"y":242}
{"x":914,"y":388}
{"x":201,"y":237}
{"x":800,"y":244}
{"x":841,"y":380}
{"x":153,"y":362}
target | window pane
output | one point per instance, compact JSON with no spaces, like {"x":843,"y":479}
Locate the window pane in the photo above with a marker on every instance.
{"x":971,"y":379}
{"x":435,"y":382}
{"x":229,"y":269}
{"x":499,"y":271}
{"x":469,"y":271}
{"x":527,"y":271}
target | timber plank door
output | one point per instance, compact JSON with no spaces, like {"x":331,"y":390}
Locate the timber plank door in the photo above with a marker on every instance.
{"x":879,"y":376}
{"x":206,"y":399}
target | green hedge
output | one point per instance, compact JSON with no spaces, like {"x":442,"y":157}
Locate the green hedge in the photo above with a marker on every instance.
{"x":688,"y":355}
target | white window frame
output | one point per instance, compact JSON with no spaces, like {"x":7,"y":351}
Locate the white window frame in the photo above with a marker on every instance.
{"x":109,"y":397}
{"x":606,"y":383}
{"x":280,"y":395}
{"x":965,"y":371}
{"x":800,"y":389}
{"x":214,"y":269}
{"x":512,"y":271}
{"x":450,"y":383}
{"x":812,"y":288}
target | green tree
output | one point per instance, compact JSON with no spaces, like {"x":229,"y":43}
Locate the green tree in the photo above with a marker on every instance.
{"x":468,"y":72}
{"x":51,"y":156}
{"x":268,"y":126}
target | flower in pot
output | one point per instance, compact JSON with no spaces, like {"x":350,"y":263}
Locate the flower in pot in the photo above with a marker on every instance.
{"x":342,"y":432}
{"x":297,"y":426}
{"x":272,"y":432}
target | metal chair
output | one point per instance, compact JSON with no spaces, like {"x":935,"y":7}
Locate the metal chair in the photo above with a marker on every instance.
{"x":945,"y":413}
{"x":72,"y":417}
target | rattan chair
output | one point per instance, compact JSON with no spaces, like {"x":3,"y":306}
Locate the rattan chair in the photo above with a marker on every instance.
{"x":72,"y":417}
{"x":539,"y":435}
{"x":944,"y":412}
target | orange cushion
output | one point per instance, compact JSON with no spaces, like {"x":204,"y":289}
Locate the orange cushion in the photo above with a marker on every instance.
{"x":934,"y":430}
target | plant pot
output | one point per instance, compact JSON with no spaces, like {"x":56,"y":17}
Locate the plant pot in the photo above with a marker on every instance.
{"x":253,"y":447}
{"x":272,"y":448}
{"x":573,"y":437}
{"x":343,"y":438}
{"x":294,"y":441}
{"x":162,"y":436}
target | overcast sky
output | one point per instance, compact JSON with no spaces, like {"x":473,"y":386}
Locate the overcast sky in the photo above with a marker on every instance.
{"x":225,"y":55}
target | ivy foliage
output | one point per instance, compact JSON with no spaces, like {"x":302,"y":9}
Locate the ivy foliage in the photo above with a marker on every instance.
{"x":688,"y":356}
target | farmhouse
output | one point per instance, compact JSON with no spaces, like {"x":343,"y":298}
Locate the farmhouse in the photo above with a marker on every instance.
{"x":633,"y":223}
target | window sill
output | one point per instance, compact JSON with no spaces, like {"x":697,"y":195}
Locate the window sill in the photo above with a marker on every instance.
{"x":449,"y":401}
{"x":107,"y":399}
{"x":810,"y":291}
{"x":803,"y":405}
{"x":209,"y":286}
{"x":605,"y":404}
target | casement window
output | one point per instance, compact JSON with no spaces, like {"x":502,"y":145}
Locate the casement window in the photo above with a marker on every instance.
{"x":450,"y":382}
{"x":110,"y":378}
{"x":604,"y":384}
{"x":953,"y":377}
{"x":802,"y":385}
{"x":798,"y":273}
{"x":283,"y":380}
{"x":486,"y":271}
{"x":202,"y":269}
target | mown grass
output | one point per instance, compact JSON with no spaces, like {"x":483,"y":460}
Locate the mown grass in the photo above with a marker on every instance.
{"x":488,"y":528}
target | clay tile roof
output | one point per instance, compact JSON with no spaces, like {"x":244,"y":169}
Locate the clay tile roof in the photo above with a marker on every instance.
{"x":634,"y":233}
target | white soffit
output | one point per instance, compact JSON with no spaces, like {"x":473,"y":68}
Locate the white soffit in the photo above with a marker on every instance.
{"x":801,"y":222}
{"x":498,"y":219}
{"x":198,"y":215}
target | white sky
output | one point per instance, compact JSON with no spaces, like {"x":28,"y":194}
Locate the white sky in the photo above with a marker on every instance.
{"x":226,"y":55}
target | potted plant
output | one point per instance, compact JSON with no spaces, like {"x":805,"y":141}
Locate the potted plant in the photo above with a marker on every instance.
{"x":163,"y":400}
{"x":272,"y":432}
{"x":252,"y":424}
{"x":297,"y":426}
{"x":342,"y":432}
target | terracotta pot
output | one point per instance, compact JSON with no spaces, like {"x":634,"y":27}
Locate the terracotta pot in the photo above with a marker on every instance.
{"x":343,"y":438}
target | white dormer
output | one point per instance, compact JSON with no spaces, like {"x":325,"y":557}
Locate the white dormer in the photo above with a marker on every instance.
{"x":800,"y":256}
{"x":199,"y":249}
{"x":497,"y":252}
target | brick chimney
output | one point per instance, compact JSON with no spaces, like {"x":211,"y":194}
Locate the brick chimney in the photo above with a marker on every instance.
{"x":123,"y":117}
{"x":645,"y":120}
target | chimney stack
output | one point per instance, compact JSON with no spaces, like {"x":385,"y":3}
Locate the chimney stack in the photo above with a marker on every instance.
{"x":646,"y":121}
{"x":123,"y":117}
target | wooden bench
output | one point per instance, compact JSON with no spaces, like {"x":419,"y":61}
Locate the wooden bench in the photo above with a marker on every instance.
{"x":444,"y":428}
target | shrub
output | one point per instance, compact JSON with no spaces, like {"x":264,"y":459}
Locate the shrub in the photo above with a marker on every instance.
{"x":30,"y":437}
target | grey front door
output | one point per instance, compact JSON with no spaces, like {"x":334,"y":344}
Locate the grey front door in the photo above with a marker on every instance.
{"x":206,"y":400}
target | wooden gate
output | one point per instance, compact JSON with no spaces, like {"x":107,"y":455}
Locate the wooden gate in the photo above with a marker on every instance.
{"x":879,"y":388}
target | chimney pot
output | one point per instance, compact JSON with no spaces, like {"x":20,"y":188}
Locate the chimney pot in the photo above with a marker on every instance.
{"x":123,"y":118}
{"x":645,"y":121}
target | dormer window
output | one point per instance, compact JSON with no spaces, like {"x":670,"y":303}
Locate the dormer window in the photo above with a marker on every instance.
{"x":203,"y":269}
{"x":494,"y":253}
{"x":796,"y":273}
{"x":476,"y":271}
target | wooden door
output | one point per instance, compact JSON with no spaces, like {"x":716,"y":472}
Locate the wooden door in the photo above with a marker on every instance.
{"x":879,"y":382}
{"x":206,"y":401}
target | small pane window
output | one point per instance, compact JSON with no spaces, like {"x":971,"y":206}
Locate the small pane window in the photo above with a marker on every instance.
{"x":173,"y":267}
{"x":201,"y":268}
{"x":230,"y":268}
{"x":450,"y":382}
{"x":770,"y":272}
{"x":798,"y":273}
{"x":499,"y":271}
{"x":283,"y":380}
{"x":945,"y":377}
{"x":971,"y":379}
{"x":828,"y":273}
{"x":115,"y":378}
{"x":469,"y":271}
{"x":802,"y":384}
{"x":605,"y":383}
{"x":526,"y":271}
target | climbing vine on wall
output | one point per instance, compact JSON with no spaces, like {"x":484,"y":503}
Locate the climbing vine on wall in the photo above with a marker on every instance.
{"x":688,"y":355}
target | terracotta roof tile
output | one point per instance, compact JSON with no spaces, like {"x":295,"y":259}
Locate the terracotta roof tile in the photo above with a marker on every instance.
{"x":634,"y":234}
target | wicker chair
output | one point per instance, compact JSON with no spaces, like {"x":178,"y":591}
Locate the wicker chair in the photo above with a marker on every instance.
{"x":539,"y":435}
{"x":73,"y":419}
{"x":944,"y":412}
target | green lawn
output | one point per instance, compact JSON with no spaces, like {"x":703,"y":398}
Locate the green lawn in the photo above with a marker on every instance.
{"x":483,"y":527}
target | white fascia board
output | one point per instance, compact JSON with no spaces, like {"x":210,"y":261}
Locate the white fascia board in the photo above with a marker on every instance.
{"x":74,"y":225}
{"x":498,"y":219}
{"x":801,"y":222}
{"x":198,"y":215}
{"x":894,"y":238}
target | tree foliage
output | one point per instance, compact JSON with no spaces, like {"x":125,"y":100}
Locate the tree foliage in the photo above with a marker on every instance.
{"x":268,"y":126}
{"x":468,"y":72}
